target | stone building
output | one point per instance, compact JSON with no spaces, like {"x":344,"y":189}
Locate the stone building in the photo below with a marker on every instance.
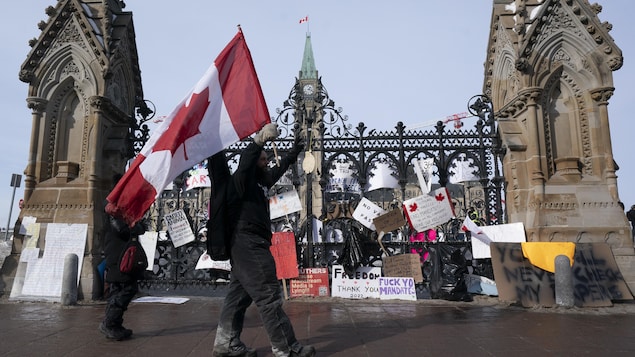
{"x":84,"y":87}
{"x":549,"y":72}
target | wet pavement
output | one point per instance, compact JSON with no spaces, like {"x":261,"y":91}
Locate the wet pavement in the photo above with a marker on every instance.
{"x":336,"y":327}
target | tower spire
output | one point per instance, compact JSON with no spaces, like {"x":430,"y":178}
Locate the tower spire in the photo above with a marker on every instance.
{"x":308,"y":70}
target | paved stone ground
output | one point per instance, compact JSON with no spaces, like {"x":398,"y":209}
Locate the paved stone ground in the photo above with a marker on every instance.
{"x":336,"y":327}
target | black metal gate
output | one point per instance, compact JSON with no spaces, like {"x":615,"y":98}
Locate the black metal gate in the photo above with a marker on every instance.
{"x":334,"y":142}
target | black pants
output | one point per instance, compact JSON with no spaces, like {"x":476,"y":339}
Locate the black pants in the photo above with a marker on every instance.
{"x":253,"y":279}
{"x":119,"y":297}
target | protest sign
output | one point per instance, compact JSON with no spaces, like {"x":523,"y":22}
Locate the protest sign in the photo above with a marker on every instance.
{"x":403,"y":265}
{"x":283,"y":251}
{"x":310,"y":282}
{"x":365,"y":283}
{"x":389,"y":221}
{"x":179,"y":228}
{"x":43,"y":277}
{"x":284,"y":203}
{"x":428,"y":211}
{"x":597,"y":279}
{"x":397,"y":288}
{"x":366,"y":211}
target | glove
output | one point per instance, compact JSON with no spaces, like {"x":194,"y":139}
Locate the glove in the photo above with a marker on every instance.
{"x":267,"y":133}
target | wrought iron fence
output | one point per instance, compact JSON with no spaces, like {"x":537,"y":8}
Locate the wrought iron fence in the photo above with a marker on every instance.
{"x":334,"y":142}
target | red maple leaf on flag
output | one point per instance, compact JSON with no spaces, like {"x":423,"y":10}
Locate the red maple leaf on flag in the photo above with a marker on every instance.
{"x":185,"y":124}
{"x":439,"y":197}
{"x":413,"y":207}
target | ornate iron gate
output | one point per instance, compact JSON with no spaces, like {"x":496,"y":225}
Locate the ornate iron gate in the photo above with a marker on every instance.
{"x":335,"y":143}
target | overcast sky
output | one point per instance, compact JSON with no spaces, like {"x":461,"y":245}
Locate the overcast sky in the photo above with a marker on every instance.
{"x":383,"y":62}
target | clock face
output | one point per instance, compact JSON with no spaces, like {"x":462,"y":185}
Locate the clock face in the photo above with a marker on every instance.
{"x":308,"y":89}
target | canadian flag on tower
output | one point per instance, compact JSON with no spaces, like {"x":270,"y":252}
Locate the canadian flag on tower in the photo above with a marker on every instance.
{"x":225,"y":106}
{"x":304,"y":19}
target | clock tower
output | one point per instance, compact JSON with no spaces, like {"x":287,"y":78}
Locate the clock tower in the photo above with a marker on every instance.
{"x":310,"y":95}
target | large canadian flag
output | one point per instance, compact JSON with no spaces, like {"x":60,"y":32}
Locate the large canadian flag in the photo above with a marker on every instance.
{"x":225,"y":106}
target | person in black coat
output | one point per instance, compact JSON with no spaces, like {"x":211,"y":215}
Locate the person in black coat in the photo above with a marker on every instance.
{"x":253,"y":275}
{"x":122,"y":287}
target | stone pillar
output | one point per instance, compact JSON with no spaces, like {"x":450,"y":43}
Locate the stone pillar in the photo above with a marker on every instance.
{"x":534,"y":152}
{"x":602,"y":96}
{"x":38,"y":106}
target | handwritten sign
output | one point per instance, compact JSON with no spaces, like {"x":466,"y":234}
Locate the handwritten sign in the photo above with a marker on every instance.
{"x":389,"y":221}
{"x":365,"y":283}
{"x":366,"y":211}
{"x":283,"y":251}
{"x":179,"y":228}
{"x":284,"y":203}
{"x":397,"y":288}
{"x":428,"y":211}
{"x":403,"y":265}
{"x":310,"y":282}
{"x":43,"y":277}
{"x":596,"y":277}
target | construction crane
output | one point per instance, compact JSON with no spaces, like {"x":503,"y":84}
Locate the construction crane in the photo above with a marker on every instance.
{"x":456,"y":118}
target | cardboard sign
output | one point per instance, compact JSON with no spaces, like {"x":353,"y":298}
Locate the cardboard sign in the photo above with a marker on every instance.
{"x":403,"y":265}
{"x":428,"y":211}
{"x":179,"y":228}
{"x":365,"y":283}
{"x":283,"y":251}
{"x":310,"y":282}
{"x":366,"y":211}
{"x":284,"y":203}
{"x":389,"y":221}
{"x":596,"y":277}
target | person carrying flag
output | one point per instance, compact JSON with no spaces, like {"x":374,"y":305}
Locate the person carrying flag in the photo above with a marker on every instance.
{"x":253,"y":275}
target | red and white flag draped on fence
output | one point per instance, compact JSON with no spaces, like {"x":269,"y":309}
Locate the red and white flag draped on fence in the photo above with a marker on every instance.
{"x":225,"y":106}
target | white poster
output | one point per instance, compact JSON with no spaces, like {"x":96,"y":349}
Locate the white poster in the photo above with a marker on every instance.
{"x":397,"y":289}
{"x":44,"y":276}
{"x":179,"y":228}
{"x":366,"y":211}
{"x":365,"y":283}
{"x":428,"y":211}
{"x":24,"y":224}
{"x":284,"y":203}
{"x":508,"y":233}
{"x":206,"y":262}
{"x":149,"y":243}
